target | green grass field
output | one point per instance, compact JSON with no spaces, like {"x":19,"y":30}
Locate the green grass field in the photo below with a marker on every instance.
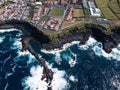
{"x":43,"y":18}
{"x":113,"y":4}
{"x":106,"y":11}
{"x":56,"y":12}
{"x":78,"y":13}
{"x":101,"y":3}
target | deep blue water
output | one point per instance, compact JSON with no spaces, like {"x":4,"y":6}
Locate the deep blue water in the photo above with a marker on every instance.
{"x":94,"y":69}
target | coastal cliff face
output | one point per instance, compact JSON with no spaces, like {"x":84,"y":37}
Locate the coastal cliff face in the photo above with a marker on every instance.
{"x":27,"y":29}
{"x":109,"y":41}
{"x":68,"y":38}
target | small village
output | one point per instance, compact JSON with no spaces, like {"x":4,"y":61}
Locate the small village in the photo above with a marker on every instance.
{"x":52,"y":14}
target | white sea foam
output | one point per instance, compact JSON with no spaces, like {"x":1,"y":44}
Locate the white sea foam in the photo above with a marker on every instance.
{"x":2,"y":38}
{"x":58,"y":58}
{"x":91,"y":41}
{"x":20,"y":53}
{"x":72,"y":62}
{"x":115,"y":82}
{"x":4,"y":62}
{"x":7,"y":30}
{"x":6,"y":86}
{"x":17,"y":44}
{"x":59,"y":82}
{"x":98,"y":49}
{"x":115,"y":54}
{"x":73,"y":79}
{"x":94,"y":45}
{"x":65,"y":46}
{"x":8,"y":74}
{"x":57,"y":52}
{"x":34,"y":81}
{"x":13,"y":68}
{"x":31,"y":58}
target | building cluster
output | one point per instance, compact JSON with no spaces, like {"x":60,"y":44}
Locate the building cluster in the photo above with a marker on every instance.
{"x":37,"y":12}
{"x":18,"y":9}
{"x":54,"y":2}
{"x":53,"y":23}
{"x":69,"y":15}
{"x":93,"y":10}
{"x":51,"y":2}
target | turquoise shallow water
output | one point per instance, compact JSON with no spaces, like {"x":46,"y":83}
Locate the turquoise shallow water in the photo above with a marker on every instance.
{"x":93,"y":69}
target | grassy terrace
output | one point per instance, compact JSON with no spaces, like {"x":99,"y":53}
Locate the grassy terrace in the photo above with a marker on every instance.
{"x":114,"y":6}
{"x":56,"y":12}
{"x":67,"y":23}
{"x":55,"y":35}
{"x":106,"y":11}
{"x":78,"y":13}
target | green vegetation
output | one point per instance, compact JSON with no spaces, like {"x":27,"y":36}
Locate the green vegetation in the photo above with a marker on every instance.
{"x":102,"y":3}
{"x":78,"y":13}
{"x":105,"y":30}
{"x":6,"y":3}
{"x":67,"y":23}
{"x":106,"y":11}
{"x":43,"y":18}
{"x":86,"y":13}
{"x":81,"y":27}
{"x":56,"y":12}
{"x":114,"y":6}
{"x":31,"y":12}
{"x":55,"y":35}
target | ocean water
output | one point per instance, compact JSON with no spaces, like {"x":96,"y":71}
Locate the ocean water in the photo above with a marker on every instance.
{"x":92,"y":69}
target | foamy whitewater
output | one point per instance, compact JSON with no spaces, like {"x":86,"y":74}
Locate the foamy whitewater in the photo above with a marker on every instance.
{"x":75,"y":67}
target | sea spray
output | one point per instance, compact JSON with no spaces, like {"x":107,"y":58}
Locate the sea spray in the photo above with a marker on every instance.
{"x":8,"y":30}
{"x":100,"y":70}
{"x":34,"y":81}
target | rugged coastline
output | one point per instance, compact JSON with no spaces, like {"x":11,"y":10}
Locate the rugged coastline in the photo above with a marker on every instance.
{"x":75,"y":34}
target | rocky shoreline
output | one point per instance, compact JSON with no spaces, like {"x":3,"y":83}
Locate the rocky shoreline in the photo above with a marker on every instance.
{"x":109,"y":41}
{"x":32,"y":33}
{"x":47,"y":73}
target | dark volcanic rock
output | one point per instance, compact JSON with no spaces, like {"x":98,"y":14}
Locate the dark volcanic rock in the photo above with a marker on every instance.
{"x":48,"y":73}
{"x":27,"y":29}
{"x":108,"y":41}
{"x":78,"y":36}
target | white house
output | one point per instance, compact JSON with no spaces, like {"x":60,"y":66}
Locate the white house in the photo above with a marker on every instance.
{"x":39,"y":3}
{"x":93,"y":10}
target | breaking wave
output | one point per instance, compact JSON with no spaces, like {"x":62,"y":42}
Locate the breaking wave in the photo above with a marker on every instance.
{"x":34,"y":82}
{"x":7,"y":30}
{"x":98,"y":49}
{"x":75,"y":67}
